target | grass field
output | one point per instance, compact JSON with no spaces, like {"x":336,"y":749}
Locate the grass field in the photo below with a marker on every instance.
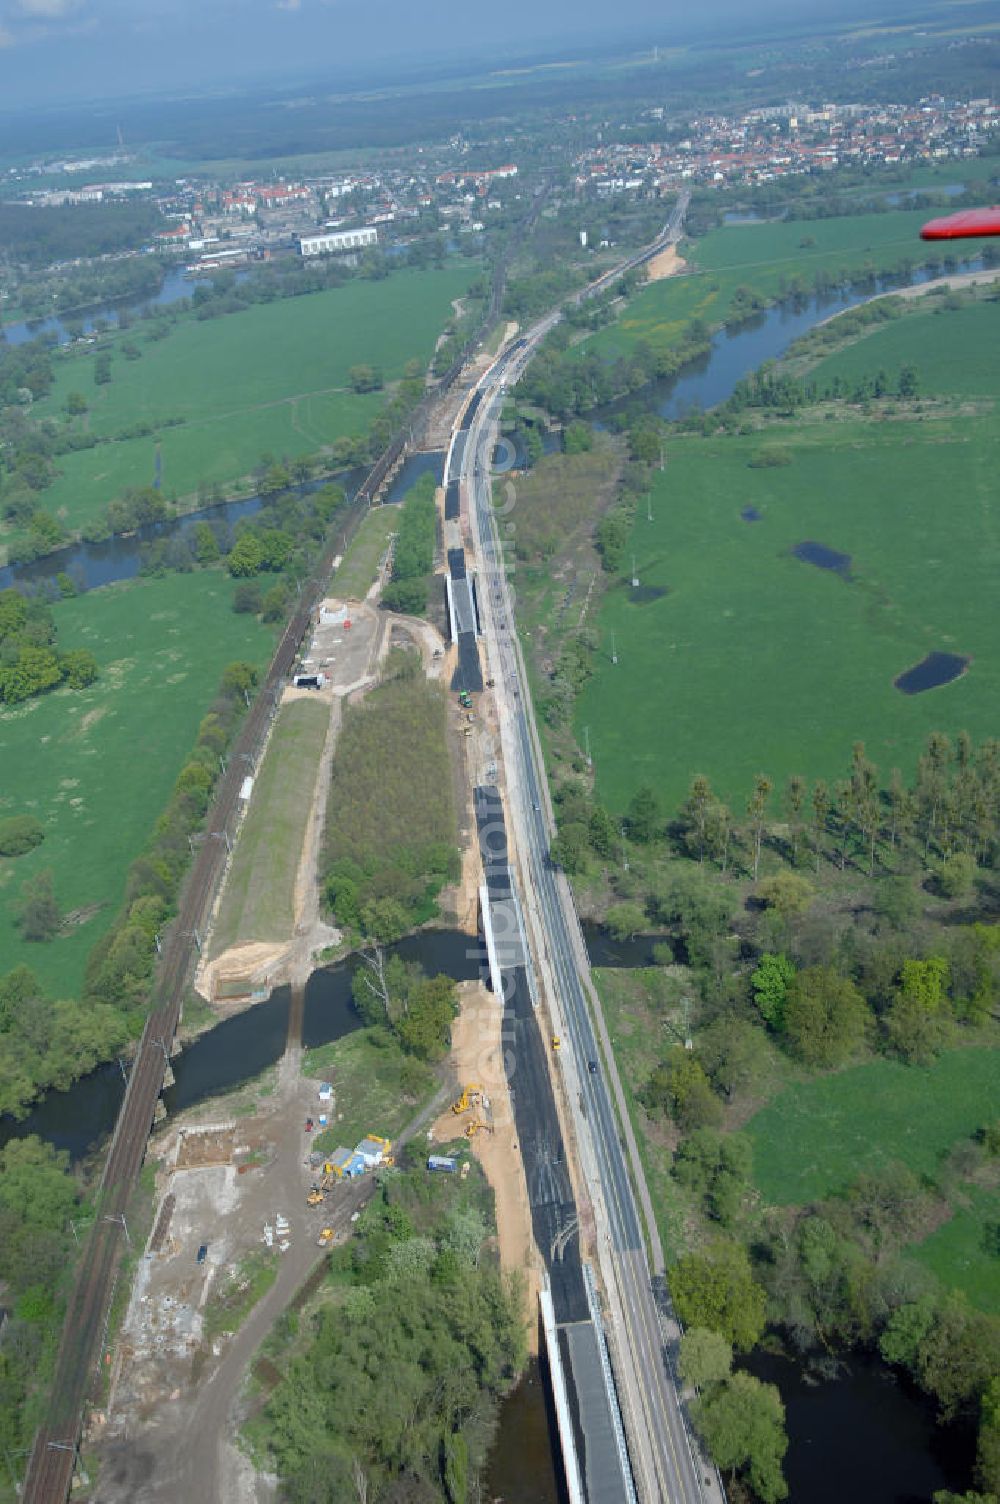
{"x":755,"y":661}
{"x":960,"y":1254}
{"x":259,"y":899}
{"x":356,"y":574}
{"x":272,"y":378}
{"x":378,"y":1088}
{"x":635,"y":1004}
{"x":764,"y":257}
{"x":951,"y":349}
{"x":96,"y":766}
{"x":390,"y":792}
{"x":816,"y":1136}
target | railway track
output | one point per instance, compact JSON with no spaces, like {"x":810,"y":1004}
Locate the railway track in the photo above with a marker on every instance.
{"x":55,"y":1450}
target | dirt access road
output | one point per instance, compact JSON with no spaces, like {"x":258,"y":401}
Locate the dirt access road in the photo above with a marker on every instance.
{"x":177,"y":1401}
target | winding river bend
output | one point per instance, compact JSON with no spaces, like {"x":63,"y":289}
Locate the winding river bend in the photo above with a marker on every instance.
{"x":891,"y":1463}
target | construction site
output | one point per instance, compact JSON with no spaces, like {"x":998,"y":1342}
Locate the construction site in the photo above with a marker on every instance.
{"x":246,"y":1204}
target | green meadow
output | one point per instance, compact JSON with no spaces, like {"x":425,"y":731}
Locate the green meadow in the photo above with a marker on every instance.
{"x":97,"y":765}
{"x":753,"y":661}
{"x":765,"y":258}
{"x":271,"y":378}
{"x":258,"y":902}
{"x":815,"y":1137}
{"x":962,"y":1252}
{"x":953,"y":350}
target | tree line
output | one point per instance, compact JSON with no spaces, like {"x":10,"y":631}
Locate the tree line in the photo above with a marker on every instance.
{"x":390,"y":1389}
{"x":39,"y":1201}
{"x":30,"y":661}
{"x":413,"y":551}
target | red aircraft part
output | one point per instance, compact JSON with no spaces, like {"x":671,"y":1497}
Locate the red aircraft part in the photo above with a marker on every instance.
{"x":966,"y":223}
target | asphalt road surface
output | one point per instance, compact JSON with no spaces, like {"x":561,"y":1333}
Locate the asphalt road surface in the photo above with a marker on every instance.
{"x":664,"y":1462}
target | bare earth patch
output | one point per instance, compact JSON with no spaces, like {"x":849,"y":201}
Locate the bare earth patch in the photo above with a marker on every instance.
{"x":664,"y":264}
{"x":477,"y":1054}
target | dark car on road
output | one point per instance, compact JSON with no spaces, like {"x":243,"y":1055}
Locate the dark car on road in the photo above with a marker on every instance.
{"x":202,"y":1254}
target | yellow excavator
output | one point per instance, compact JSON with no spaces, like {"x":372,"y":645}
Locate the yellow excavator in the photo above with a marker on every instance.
{"x":325,"y":1238}
{"x":315,"y":1197}
{"x":469,"y":1094}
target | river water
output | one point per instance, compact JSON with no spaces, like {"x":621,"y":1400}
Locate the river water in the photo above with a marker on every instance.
{"x":175,"y":287}
{"x":702,"y":384}
{"x":736,"y":352}
{"x":839,"y":1446}
{"x":91,"y":565}
{"x":80,"y":1119}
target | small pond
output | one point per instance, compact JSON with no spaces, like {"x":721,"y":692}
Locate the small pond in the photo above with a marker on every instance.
{"x":932,"y":671}
{"x":641,"y":595}
{"x":823,"y":558}
{"x":604,"y":950}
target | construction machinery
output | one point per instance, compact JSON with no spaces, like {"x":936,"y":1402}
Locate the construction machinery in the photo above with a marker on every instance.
{"x":465,"y":700}
{"x":325,"y":1238}
{"x":556,"y":1042}
{"x":315,"y":1196}
{"x":476,"y":1125}
{"x":469,"y":1094}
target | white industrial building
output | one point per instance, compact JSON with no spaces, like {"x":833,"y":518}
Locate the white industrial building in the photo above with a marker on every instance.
{"x":330,"y":241}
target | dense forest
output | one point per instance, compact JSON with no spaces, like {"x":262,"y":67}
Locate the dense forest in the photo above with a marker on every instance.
{"x":37,"y":237}
{"x":391,"y":1378}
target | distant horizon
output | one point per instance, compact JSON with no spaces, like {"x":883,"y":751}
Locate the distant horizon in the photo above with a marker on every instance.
{"x":58,"y":55}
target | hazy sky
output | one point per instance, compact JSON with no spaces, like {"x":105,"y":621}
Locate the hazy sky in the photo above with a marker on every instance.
{"x":52,"y":51}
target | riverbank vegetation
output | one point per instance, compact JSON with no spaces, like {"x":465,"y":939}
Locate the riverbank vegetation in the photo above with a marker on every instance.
{"x":391,"y":834}
{"x":187,"y":407}
{"x":738,"y":270}
{"x":834,"y":1114}
{"x":399,"y":1361}
{"x":413,"y":551}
